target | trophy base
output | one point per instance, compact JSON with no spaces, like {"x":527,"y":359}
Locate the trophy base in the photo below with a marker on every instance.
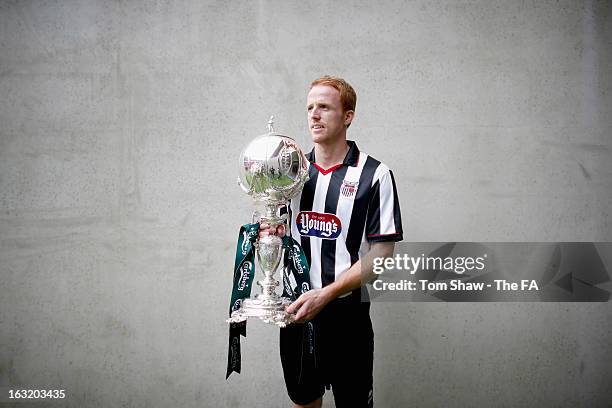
{"x":268,"y":310}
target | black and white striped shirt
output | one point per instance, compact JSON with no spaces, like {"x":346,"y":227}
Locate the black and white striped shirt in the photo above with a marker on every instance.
{"x":341,"y":210}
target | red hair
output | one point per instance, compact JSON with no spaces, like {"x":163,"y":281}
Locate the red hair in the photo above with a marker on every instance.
{"x":348,"y":97}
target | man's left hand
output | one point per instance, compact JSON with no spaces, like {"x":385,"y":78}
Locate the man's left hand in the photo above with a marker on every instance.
{"x":308,"y":305}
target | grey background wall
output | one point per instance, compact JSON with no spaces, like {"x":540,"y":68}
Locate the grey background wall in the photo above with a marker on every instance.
{"x":120,"y":127}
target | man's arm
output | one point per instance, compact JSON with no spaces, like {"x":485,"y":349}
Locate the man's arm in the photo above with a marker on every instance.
{"x":310,"y":303}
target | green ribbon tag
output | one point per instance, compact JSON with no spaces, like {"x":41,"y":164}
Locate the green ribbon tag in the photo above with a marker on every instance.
{"x":298,"y":269}
{"x":244,"y":273}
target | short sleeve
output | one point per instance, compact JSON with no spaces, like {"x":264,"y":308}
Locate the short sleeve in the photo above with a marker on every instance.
{"x":384,"y":220}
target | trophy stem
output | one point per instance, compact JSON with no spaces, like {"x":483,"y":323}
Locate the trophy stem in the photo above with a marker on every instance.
{"x":269,"y":284}
{"x":271,"y":216}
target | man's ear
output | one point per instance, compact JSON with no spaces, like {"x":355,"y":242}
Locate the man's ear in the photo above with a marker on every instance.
{"x":348,"y":117}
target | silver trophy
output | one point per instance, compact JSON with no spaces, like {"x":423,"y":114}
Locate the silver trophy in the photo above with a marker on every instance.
{"x":273,"y":169}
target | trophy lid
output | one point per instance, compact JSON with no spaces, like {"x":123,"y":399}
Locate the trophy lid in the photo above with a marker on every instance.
{"x":273,"y":167}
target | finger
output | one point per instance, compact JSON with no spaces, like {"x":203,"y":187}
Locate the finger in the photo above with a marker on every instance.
{"x":300,"y":316}
{"x":292,"y":308}
{"x":295,"y":305}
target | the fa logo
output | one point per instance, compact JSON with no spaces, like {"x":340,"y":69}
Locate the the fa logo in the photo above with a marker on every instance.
{"x":349,"y":188}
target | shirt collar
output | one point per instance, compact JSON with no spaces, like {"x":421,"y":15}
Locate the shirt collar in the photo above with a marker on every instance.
{"x":351,"y":158}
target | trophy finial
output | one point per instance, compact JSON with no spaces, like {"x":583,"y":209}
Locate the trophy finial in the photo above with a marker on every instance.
{"x":271,"y":124}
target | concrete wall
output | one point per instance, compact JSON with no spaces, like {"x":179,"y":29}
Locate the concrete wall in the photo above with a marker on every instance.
{"x":120,"y":127}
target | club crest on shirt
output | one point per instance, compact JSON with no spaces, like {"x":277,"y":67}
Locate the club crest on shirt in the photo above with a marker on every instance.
{"x":320,"y":225}
{"x":349,"y":188}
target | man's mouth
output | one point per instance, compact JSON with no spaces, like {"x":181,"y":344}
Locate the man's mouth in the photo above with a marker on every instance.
{"x":316,"y":126}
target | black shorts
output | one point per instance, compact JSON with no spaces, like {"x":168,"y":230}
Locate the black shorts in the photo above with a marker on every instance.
{"x":338,"y":352}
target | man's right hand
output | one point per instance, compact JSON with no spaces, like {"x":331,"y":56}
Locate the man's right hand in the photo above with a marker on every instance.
{"x":265,"y":230}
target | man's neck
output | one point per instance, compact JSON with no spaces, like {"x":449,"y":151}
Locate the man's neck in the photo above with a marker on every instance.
{"x":328,"y":155}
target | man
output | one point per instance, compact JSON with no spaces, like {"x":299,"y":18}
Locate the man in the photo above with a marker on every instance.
{"x":347,"y":214}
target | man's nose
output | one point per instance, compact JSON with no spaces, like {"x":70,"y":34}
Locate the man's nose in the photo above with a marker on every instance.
{"x":314,"y":113}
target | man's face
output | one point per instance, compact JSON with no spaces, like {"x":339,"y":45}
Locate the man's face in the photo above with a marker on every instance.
{"x":326,"y":118}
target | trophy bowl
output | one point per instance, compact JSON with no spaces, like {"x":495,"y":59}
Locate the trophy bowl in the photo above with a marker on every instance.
{"x":273,"y":169}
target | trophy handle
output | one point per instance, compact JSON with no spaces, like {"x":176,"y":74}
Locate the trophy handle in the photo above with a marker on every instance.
{"x":242,"y":186}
